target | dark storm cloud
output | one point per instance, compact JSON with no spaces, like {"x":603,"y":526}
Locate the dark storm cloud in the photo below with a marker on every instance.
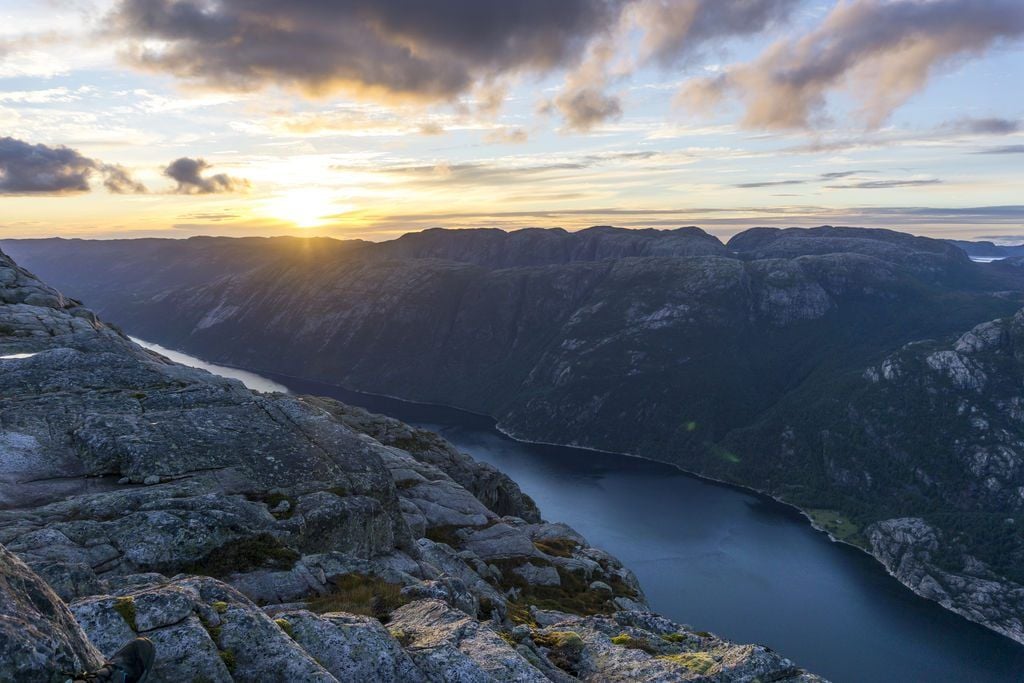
{"x":432,"y":50}
{"x":188,"y":173}
{"x":27,"y":169}
{"x":884,"y":51}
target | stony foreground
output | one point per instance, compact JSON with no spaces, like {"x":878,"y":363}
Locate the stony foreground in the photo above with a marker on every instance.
{"x":264,"y":537}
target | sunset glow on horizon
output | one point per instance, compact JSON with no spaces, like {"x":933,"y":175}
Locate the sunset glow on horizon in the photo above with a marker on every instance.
{"x":357,"y":119}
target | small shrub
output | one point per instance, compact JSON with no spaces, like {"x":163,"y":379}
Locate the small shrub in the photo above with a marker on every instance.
{"x":244,"y":554}
{"x":519,"y":613}
{"x":674,"y":637}
{"x":404,"y":638}
{"x":628,"y":641}
{"x":486,"y":608}
{"x":228,"y":657}
{"x":445,"y":534}
{"x":126,"y":608}
{"x":360,"y":594}
{"x":286,"y":626}
{"x":557,"y":547}
{"x":565,"y":649}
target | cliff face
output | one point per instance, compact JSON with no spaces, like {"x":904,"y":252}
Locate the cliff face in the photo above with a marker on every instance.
{"x":744,"y":362}
{"x":943,"y":422}
{"x":260,"y":537}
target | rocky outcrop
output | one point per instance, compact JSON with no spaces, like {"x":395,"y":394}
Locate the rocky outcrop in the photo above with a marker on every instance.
{"x":260,"y":537}
{"x":908,"y":548}
{"x":494,"y":489}
{"x":934,"y":433}
{"x":39,"y":639}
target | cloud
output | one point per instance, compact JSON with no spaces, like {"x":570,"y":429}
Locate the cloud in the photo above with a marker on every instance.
{"x":585,"y":107}
{"x":675,"y":30}
{"x":672,"y":31}
{"x":392,"y":48}
{"x":882,"y":52}
{"x":770,"y":183}
{"x":27,"y":169}
{"x":836,"y":175}
{"x":188,"y":173}
{"x":886,"y":184}
{"x":1006,"y":149}
{"x":507,"y":135}
{"x":985,"y":126}
{"x":436,"y":51}
{"x":118,"y":180}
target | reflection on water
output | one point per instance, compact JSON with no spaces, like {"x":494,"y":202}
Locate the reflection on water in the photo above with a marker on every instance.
{"x":249,"y":379}
{"x":728,"y":561}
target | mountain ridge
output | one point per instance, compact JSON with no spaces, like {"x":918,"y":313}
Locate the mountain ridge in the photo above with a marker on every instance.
{"x":688,"y":358}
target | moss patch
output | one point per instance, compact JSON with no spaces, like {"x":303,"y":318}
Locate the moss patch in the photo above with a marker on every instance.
{"x":674,"y":637}
{"x":360,"y":594}
{"x":698,"y":662}
{"x":628,"y":641}
{"x":126,"y":608}
{"x":263,"y":551}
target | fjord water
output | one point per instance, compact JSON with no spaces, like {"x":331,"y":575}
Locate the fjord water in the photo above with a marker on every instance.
{"x":719,"y":558}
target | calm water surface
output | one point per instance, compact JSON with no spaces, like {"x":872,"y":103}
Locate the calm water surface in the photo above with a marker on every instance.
{"x":724,"y":560}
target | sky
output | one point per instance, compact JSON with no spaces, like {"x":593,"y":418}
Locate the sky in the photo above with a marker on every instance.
{"x":371,"y":118}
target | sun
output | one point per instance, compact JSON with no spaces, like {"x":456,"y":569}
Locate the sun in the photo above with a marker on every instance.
{"x":304,"y":208}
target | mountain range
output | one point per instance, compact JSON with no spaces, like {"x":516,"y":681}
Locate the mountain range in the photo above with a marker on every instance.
{"x":869,"y":377}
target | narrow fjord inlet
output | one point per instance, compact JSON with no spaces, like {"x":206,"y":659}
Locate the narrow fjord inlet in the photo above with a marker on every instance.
{"x":718,"y":557}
